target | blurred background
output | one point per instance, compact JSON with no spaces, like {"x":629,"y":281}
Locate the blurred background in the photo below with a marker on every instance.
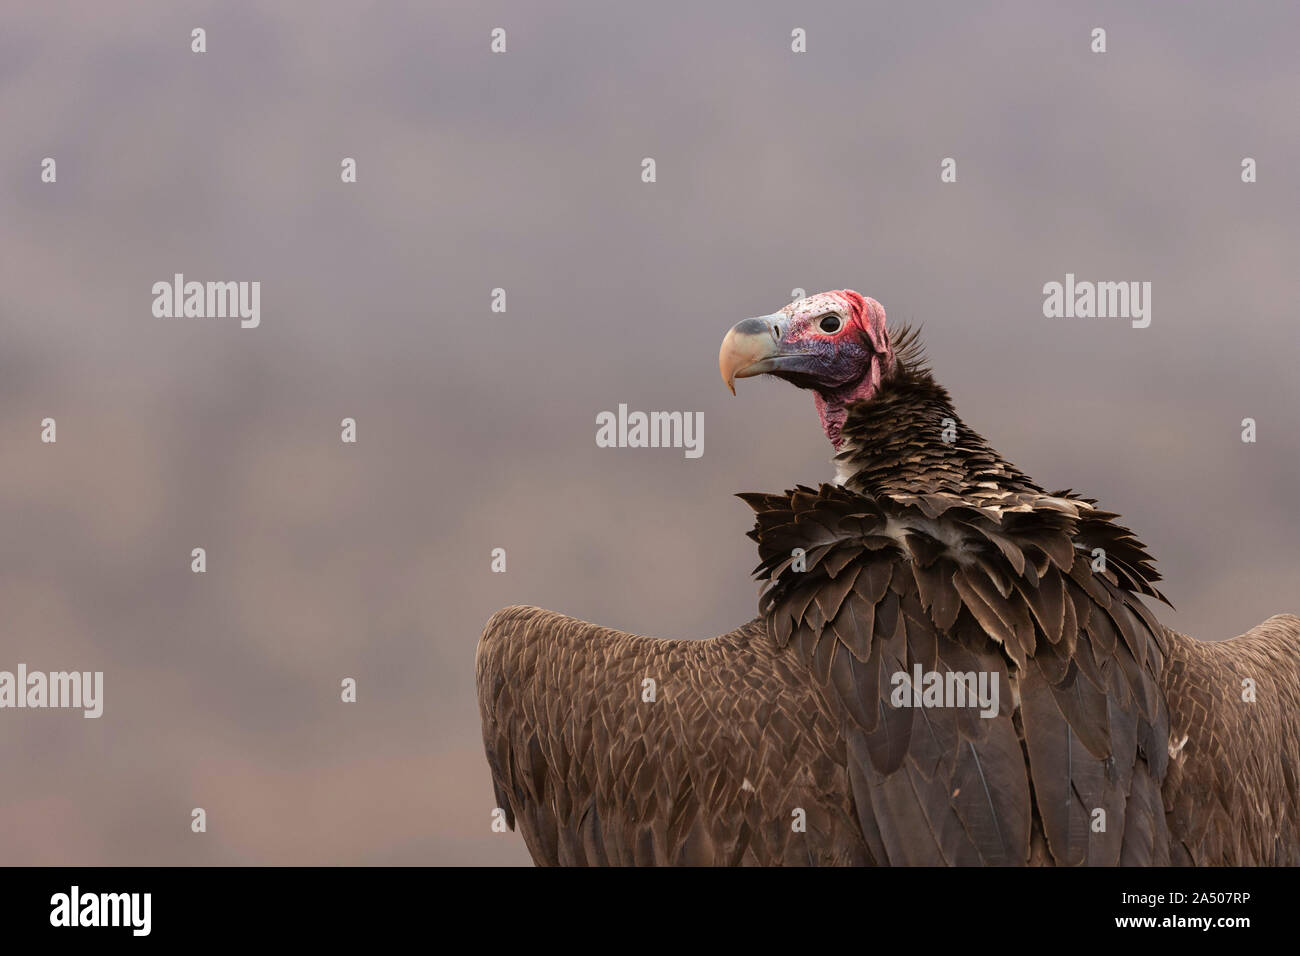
{"x":476,"y":430}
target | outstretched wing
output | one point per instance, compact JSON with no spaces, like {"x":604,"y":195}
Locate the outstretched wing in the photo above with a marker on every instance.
{"x":869,"y":591}
{"x":608,"y":748}
{"x":1233,"y":790}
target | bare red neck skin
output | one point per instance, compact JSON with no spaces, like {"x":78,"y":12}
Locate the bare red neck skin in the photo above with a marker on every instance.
{"x":833,"y":409}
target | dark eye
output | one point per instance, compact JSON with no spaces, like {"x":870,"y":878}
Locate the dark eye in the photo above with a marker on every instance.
{"x":830,"y":323}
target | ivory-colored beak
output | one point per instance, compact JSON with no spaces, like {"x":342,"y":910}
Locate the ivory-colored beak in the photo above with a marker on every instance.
{"x":747,"y":346}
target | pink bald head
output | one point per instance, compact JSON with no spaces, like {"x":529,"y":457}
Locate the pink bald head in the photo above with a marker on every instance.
{"x":859,"y":350}
{"x":834,"y":343}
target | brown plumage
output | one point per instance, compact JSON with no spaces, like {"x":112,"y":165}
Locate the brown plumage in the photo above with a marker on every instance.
{"x":1113,"y":739}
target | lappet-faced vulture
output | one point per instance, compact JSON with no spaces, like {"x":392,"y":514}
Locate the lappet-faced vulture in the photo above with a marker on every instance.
{"x":949,"y":666}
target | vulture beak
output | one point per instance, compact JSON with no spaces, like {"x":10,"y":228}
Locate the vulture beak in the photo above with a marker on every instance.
{"x":750,"y":348}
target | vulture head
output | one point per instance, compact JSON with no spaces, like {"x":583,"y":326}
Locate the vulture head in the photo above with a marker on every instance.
{"x":833,"y":343}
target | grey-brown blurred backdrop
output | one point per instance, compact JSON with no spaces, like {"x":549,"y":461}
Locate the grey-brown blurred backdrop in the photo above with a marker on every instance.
{"x":476,"y":430}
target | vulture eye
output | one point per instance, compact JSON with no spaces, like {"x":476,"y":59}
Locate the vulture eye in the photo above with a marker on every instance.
{"x":830,"y":324}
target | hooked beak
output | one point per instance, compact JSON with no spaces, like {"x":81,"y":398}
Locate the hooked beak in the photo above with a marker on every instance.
{"x":753,"y":347}
{"x":749,"y":347}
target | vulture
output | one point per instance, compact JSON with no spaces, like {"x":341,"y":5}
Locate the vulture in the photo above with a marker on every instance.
{"x":950,"y":666}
